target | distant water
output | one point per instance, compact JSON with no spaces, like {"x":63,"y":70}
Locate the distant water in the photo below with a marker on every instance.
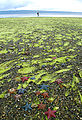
{"x":33,"y":13}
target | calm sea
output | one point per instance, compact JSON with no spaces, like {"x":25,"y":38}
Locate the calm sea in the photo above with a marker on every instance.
{"x":33,"y":13}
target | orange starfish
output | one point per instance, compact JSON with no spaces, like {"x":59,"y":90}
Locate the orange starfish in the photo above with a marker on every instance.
{"x":41,"y":106}
{"x":37,"y":93}
{"x":12,"y":90}
{"x":61,"y":86}
{"x":45,"y":94}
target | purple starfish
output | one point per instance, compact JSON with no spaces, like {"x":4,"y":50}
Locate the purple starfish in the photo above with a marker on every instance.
{"x":44,"y":87}
{"x":17,"y":97}
{"x":21,"y":91}
{"x":58,"y":81}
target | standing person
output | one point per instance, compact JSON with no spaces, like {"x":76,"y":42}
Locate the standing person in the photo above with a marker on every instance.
{"x":38,"y":14}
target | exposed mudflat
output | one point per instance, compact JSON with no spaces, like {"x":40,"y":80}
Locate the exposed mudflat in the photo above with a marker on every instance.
{"x":45,"y":50}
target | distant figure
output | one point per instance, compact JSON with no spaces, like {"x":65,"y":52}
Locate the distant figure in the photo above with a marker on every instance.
{"x":38,"y":14}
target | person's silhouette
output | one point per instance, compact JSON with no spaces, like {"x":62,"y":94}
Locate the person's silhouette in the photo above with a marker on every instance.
{"x":37,"y":13}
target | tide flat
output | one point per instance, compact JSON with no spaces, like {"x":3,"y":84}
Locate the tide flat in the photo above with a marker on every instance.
{"x":45,"y":50}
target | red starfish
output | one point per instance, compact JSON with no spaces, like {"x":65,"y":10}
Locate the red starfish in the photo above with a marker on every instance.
{"x":24,"y":78}
{"x":41,"y":106}
{"x":59,"y":81}
{"x":37,"y":93}
{"x":45,"y":94}
{"x":50,"y":113}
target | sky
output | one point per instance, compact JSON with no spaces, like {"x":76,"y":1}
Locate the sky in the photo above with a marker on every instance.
{"x":54,"y":5}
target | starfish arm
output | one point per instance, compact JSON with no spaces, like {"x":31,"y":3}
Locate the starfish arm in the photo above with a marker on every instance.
{"x":54,"y":111}
{"x":38,"y":108}
{"x":44,"y":96}
{"x":32,"y":78}
{"x":30,"y":106}
{"x":26,"y":104}
{"x":21,"y":91}
{"x":46,"y":112}
{"x":26,"y":109}
{"x":59,"y":82}
{"x":21,"y":77}
{"x":23,"y":106}
{"x":41,"y":88}
{"x":48,"y":116}
{"x":52,"y":114}
{"x":47,"y":95}
{"x":46,"y":85}
{"x":46,"y":88}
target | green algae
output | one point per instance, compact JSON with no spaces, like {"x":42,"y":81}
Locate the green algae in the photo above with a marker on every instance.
{"x":3,"y":94}
{"x":63,"y":70}
{"x":26,"y":70}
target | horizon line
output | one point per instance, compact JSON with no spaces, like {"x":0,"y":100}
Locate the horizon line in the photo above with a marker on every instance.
{"x":39,"y":10}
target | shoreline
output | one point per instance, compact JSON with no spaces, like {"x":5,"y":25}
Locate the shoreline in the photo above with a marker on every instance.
{"x":25,"y":15}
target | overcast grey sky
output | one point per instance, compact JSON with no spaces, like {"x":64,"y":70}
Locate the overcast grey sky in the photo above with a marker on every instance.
{"x":57,"y":5}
